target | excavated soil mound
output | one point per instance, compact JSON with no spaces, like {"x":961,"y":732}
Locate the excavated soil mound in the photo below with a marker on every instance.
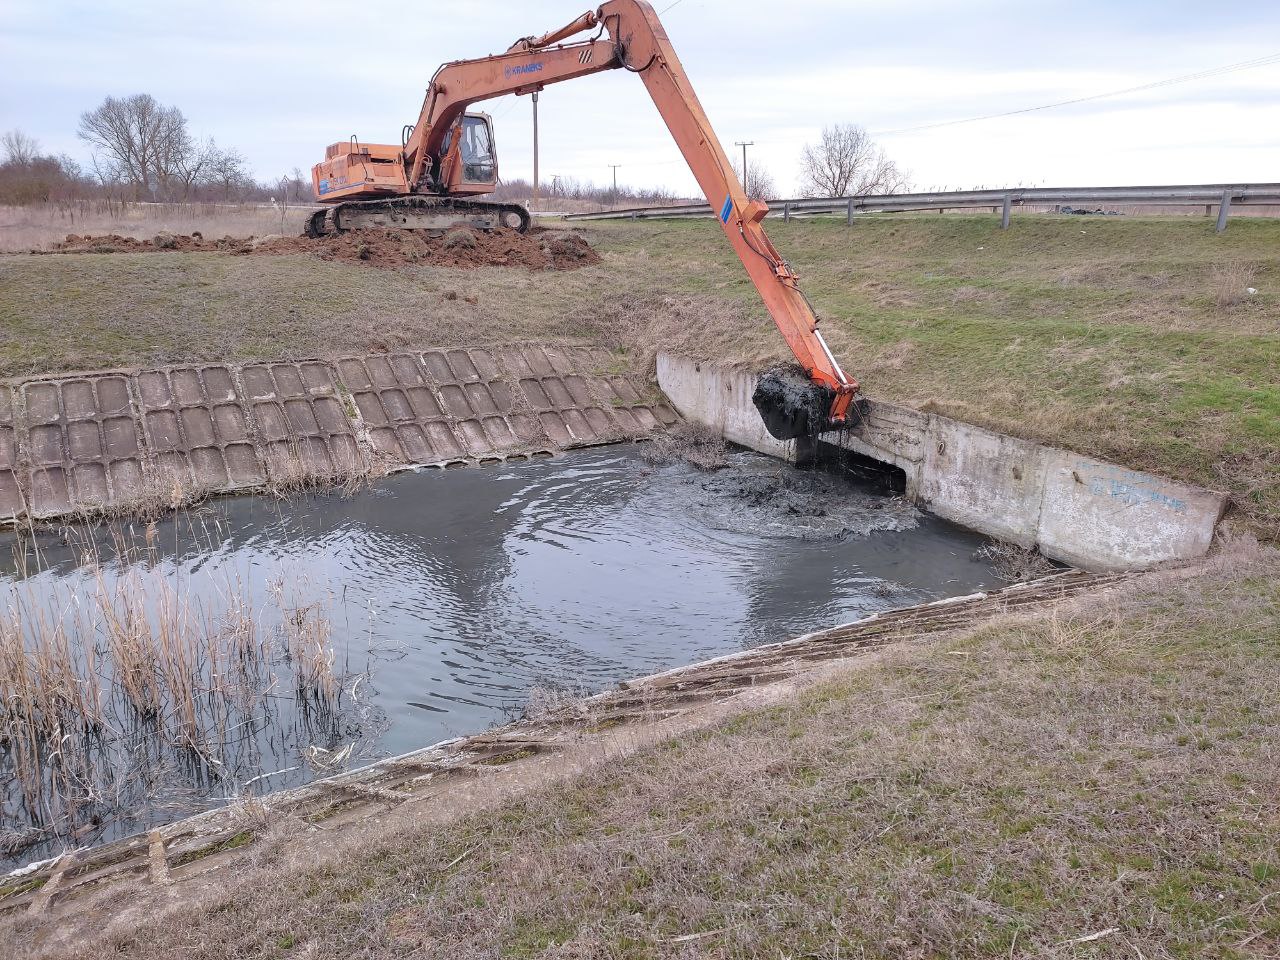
{"x":538,"y":249}
{"x":161,"y":243}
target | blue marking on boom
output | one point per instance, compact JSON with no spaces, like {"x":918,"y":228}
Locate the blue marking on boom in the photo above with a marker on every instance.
{"x":727,"y":210}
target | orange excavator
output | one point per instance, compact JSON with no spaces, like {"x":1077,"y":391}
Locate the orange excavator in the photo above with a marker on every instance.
{"x":448,"y":158}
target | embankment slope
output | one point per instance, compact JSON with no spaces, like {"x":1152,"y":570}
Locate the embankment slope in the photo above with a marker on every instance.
{"x":1130,"y":339}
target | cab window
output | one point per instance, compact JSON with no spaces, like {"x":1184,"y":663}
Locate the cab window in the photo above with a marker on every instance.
{"x":478,"y":162}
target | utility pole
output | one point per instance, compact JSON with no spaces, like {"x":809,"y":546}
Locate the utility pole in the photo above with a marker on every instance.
{"x":744,"y":144}
{"x":535,"y":148}
{"x":615,"y":167}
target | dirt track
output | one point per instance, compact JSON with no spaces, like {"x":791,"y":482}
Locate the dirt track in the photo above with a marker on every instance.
{"x":538,"y":249}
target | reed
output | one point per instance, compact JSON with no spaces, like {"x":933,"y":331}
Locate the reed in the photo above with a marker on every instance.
{"x":129,"y":674}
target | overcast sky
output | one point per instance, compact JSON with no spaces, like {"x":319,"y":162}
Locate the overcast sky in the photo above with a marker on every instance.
{"x":279,"y":80}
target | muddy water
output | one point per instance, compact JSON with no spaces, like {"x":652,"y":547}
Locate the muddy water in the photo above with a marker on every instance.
{"x":451,"y":594}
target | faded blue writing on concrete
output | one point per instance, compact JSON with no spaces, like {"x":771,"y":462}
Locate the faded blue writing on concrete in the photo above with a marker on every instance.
{"x":1130,"y":488}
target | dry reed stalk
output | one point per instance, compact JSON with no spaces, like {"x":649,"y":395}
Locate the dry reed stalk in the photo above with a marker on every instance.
{"x":106,"y":671}
{"x":124,"y":621}
{"x":307,"y":643}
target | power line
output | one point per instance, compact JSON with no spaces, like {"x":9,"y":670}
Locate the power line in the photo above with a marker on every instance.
{"x":1186,"y":78}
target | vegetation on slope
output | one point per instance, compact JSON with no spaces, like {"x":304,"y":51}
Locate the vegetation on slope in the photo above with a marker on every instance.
{"x":1134,"y":340}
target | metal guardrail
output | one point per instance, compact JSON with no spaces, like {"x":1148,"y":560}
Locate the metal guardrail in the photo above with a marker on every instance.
{"x":1221,"y":195}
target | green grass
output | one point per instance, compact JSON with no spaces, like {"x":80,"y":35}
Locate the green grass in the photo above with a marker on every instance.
{"x":233,"y":842}
{"x":1132,"y":339}
{"x":85,"y":311}
{"x":1107,"y":772}
{"x":19,"y":887}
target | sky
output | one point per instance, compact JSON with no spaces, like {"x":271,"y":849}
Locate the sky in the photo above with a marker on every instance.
{"x":279,"y":80}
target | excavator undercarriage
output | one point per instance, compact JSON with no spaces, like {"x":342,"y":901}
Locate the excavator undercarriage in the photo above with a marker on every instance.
{"x":416,"y":213}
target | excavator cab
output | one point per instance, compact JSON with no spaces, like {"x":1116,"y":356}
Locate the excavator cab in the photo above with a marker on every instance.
{"x":479,"y":161}
{"x":473,"y":169}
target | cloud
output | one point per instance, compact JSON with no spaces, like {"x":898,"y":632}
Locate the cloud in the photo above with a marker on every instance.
{"x":279,"y":81}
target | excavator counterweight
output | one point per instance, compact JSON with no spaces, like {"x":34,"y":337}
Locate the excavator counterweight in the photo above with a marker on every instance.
{"x":448,"y":159}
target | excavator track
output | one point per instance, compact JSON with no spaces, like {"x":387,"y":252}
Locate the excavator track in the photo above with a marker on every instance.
{"x":416,"y":213}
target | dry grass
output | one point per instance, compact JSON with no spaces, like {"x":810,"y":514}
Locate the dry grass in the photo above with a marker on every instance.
{"x":546,"y":701}
{"x":36,"y":227}
{"x":463,"y":239}
{"x":1231,"y":283}
{"x":1101,"y":782}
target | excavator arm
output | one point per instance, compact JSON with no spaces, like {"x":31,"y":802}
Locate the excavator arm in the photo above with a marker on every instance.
{"x":457,"y":85}
{"x":638,"y":43}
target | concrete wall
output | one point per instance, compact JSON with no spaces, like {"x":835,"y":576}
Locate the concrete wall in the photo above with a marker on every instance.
{"x":1074,"y":508}
{"x":719,"y":398}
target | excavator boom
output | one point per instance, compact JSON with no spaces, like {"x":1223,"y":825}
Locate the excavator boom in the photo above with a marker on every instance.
{"x":432,"y":162}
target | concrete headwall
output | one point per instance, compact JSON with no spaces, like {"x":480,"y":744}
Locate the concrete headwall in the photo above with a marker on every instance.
{"x":112,"y":439}
{"x":1074,"y":508}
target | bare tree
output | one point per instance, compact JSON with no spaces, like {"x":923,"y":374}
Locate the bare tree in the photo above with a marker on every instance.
{"x":226,"y":169}
{"x":18,"y":147}
{"x":301,"y":186}
{"x":29,"y":176}
{"x":188,"y":164}
{"x":846,"y":162}
{"x":759,"y":182}
{"x":143,"y":143}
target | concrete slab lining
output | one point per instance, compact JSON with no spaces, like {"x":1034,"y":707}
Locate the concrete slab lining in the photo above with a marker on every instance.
{"x":1072,"y":507}
{"x":113,"y":439}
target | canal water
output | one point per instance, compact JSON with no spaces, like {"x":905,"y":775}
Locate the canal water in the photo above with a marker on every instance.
{"x":447,"y":596}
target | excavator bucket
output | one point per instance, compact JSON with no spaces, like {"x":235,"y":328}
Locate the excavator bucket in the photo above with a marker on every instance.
{"x":791,"y":406}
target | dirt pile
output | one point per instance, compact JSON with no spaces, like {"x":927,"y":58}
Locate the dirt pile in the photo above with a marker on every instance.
{"x":538,"y":249}
{"x":160,"y":243}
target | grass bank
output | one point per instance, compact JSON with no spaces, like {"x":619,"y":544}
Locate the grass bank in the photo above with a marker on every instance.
{"x":1134,"y":339}
{"x":1102,"y":782}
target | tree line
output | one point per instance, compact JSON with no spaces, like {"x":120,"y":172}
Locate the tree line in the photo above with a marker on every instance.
{"x":845,"y":162}
{"x":142,"y":150}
